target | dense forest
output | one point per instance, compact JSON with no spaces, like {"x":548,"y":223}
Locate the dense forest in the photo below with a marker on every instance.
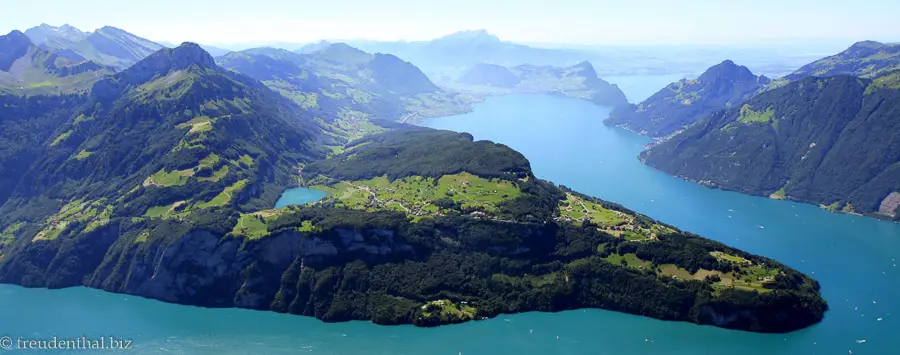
{"x":833,"y":141}
{"x":413,"y":152}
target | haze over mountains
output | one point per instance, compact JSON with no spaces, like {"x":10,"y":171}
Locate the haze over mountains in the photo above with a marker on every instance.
{"x":107,"y":45}
{"x":26,"y":66}
{"x":578,"y":81}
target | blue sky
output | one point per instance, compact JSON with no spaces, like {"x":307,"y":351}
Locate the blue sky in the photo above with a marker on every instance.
{"x":547,"y":21}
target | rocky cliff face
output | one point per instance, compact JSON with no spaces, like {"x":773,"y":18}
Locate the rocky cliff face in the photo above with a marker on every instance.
{"x":202,"y":268}
{"x":346,"y":273}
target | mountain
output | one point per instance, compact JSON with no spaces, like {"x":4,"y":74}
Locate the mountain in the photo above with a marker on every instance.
{"x":465,"y":211}
{"x":347,"y":80}
{"x":172,"y":135}
{"x":26,"y":68}
{"x":44,"y":33}
{"x":172,"y":128}
{"x":684,"y":102}
{"x":832,"y":141}
{"x":453,"y":53}
{"x":212,"y":50}
{"x":314,"y":47}
{"x":159,"y":182}
{"x":108,"y":45}
{"x":578,"y":81}
{"x":865,"y":59}
{"x":490,"y":75}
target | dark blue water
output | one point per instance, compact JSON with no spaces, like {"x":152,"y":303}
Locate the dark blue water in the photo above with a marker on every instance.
{"x":299,"y":196}
{"x":851,"y":256}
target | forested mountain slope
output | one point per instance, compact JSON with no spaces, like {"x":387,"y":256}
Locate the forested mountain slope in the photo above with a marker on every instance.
{"x":172,"y":132}
{"x":833,"y":141}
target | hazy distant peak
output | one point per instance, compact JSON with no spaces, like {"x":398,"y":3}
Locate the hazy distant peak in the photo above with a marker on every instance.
{"x":343,"y":53}
{"x":12,"y":46}
{"x":341,"y":46}
{"x":16,"y":35}
{"x":45,"y":32}
{"x":110,"y":28}
{"x":864,"y":49}
{"x":314,"y":47}
{"x":867,"y":44}
{"x":481,"y":36}
{"x":584,"y":64}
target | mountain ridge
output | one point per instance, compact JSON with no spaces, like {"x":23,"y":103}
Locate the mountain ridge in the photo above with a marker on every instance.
{"x":824,"y":140}
{"x":864,"y":59}
{"x":685,"y":102}
{"x":27,"y":69}
{"x":351,"y":81}
{"x":577,"y":81}
{"x":107,"y":45}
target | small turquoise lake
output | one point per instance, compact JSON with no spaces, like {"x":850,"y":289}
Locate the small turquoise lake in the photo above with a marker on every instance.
{"x":853,"y":257}
{"x":299,"y":196}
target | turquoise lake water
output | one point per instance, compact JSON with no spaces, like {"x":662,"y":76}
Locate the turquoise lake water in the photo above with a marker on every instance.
{"x":566,"y":142}
{"x":299,"y":196}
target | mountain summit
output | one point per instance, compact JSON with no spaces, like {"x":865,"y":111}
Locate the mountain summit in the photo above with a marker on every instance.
{"x":181,"y":57}
{"x":469,"y":37}
{"x":43,"y":33}
{"x":684,"y":102}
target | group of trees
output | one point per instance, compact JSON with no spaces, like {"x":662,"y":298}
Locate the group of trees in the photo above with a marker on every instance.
{"x":422,"y":152}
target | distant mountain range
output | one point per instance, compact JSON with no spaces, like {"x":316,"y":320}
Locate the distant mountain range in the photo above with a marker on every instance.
{"x":108,"y":45}
{"x":356,"y":82}
{"x":27,"y":67}
{"x":577,"y":81}
{"x":469,"y":48}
